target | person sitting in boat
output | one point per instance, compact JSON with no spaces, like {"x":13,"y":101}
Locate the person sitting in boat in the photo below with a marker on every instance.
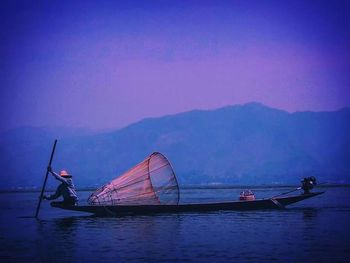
{"x":308,"y":183}
{"x":65,"y":189}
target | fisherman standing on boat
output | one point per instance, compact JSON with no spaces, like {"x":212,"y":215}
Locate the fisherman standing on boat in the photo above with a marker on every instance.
{"x":66,"y":189}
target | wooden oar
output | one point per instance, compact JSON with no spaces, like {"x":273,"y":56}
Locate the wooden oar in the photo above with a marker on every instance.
{"x":47,"y":173}
{"x":287,"y":192}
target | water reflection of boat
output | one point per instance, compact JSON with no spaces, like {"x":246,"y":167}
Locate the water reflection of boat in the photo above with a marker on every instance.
{"x":151,"y":187}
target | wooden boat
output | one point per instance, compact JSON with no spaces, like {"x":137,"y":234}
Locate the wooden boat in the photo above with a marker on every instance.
{"x":151,"y":187}
{"x":258,"y":204}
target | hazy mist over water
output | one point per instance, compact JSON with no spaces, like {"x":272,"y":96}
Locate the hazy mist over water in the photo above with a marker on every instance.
{"x":316,"y":230}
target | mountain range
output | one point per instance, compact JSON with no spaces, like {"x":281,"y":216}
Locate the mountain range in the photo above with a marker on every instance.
{"x":248,"y":144}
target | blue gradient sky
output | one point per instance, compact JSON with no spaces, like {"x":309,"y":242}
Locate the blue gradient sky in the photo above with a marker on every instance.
{"x":105,"y":64}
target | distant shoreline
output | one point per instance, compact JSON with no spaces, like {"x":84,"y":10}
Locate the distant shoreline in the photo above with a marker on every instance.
{"x":186,"y":187}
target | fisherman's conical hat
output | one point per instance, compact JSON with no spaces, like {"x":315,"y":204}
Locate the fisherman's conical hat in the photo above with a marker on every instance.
{"x":64,"y":173}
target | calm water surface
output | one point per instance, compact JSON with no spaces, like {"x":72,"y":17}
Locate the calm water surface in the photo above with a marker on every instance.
{"x":316,"y":230}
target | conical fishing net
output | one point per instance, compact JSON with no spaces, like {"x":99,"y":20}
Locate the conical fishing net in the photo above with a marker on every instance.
{"x":151,"y":182}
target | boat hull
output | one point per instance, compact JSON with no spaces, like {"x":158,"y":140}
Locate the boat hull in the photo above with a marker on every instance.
{"x":273,"y":203}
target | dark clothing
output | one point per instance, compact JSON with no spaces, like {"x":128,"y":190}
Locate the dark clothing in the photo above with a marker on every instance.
{"x":65,"y":189}
{"x":65,"y":202}
{"x":308,"y":183}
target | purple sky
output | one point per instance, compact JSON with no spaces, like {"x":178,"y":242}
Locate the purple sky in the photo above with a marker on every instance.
{"x":105,"y":65}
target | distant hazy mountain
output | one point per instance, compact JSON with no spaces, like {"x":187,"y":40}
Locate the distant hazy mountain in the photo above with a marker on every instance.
{"x":242,"y":144}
